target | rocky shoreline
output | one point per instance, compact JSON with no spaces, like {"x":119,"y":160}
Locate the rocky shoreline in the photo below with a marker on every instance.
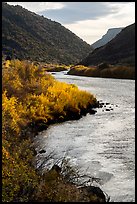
{"x":39,"y":125}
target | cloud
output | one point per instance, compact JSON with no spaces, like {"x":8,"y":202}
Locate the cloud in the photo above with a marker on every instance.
{"x":88,"y":20}
{"x":92,"y":30}
{"x":73,"y":12}
{"x":91,"y":20}
{"x":39,"y":6}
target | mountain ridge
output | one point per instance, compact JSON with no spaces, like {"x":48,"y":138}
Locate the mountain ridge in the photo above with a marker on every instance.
{"x":110,"y":34}
{"x":120,"y":50}
{"x":27,"y":35}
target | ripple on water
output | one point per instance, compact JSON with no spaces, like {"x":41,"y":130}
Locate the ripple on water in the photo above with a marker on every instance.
{"x":101,"y":145}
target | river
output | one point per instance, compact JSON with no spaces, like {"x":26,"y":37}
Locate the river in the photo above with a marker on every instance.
{"x":100,"y":145}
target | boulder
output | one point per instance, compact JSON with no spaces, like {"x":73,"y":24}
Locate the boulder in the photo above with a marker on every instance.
{"x":92,"y":111}
{"x":94,"y":193}
{"x":42,"y":151}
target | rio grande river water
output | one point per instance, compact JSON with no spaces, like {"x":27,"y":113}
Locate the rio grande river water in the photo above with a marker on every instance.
{"x":100,"y":145}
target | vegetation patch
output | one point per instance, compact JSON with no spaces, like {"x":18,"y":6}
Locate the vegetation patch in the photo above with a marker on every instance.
{"x":54,"y":67}
{"x":104,"y":70}
{"x":31,"y":100}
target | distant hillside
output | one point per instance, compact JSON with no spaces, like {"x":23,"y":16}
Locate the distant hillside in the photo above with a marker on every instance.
{"x":111,"y":33}
{"x":27,"y":35}
{"x":120,"y":50}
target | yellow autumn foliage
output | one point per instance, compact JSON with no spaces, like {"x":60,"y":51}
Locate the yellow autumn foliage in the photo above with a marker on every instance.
{"x":30,"y":94}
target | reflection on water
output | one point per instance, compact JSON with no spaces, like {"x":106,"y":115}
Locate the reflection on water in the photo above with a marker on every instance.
{"x":101,"y":145}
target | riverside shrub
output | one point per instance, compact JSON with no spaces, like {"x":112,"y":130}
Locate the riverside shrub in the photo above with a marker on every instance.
{"x":30,"y":94}
{"x":104,"y":70}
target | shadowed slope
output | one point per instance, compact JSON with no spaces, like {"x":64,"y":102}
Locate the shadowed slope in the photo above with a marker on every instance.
{"x":27,"y":35}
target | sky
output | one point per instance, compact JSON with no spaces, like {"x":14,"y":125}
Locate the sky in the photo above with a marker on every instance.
{"x":88,"y":20}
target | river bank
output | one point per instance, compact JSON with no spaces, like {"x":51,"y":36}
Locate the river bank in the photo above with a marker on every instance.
{"x":55,"y":175}
{"x":103,"y":144}
{"x":31,"y":101}
{"x":104,"y":70}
